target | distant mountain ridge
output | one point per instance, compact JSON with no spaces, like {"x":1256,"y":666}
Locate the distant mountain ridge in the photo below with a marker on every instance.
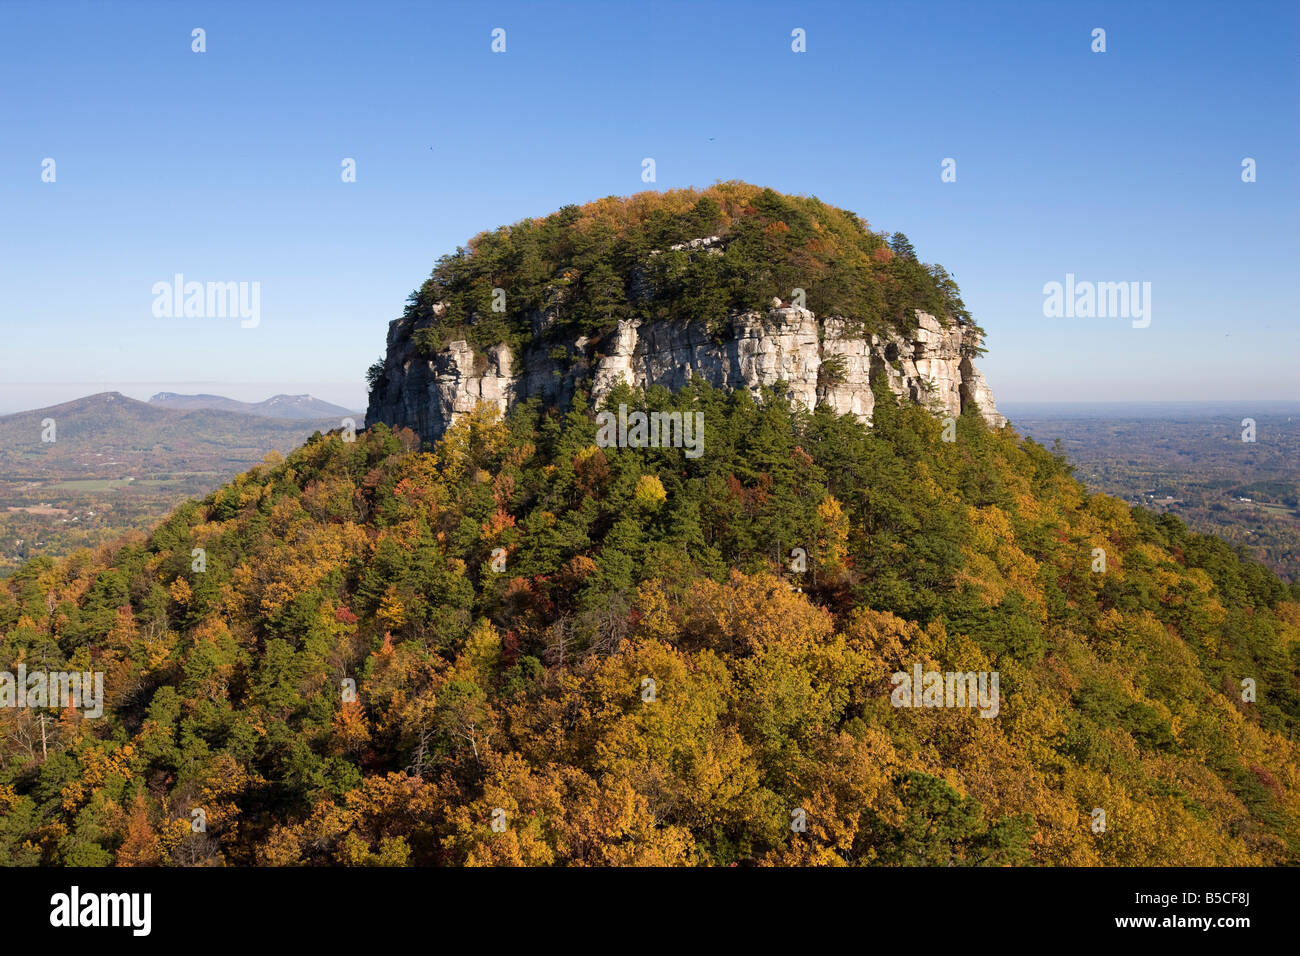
{"x":277,"y":406}
{"x":109,"y":434}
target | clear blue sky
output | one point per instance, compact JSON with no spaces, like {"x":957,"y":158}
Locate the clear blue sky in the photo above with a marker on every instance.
{"x":226,"y":166}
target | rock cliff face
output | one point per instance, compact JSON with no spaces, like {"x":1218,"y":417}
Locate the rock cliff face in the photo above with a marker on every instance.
{"x":823,"y":363}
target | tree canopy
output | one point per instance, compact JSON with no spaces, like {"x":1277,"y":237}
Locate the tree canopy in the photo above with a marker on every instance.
{"x":682,"y":252}
{"x":517,"y":647}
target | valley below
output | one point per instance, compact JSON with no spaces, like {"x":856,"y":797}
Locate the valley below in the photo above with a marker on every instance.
{"x":1189,"y":459}
{"x":118,"y":465}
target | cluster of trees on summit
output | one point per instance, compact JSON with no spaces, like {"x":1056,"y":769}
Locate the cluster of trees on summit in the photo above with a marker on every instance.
{"x":500,"y":599}
{"x":586,"y":267}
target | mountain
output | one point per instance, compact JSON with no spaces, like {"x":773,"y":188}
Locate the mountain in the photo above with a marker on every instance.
{"x":277,"y":406}
{"x":109,"y":435}
{"x":116,"y":464}
{"x":820,"y":640}
{"x":659,"y":289}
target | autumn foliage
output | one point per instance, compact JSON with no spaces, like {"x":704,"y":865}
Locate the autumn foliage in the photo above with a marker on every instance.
{"x":645,"y":677}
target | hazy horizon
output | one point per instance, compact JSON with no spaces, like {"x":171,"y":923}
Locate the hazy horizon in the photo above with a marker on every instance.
{"x":23,"y":397}
{"x":11,"y":398}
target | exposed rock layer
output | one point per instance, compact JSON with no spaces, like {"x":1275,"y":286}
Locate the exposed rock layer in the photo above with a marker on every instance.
{"x":932,"y":366}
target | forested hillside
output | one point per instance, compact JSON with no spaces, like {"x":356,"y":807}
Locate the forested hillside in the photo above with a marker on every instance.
{"x":503,"y":599}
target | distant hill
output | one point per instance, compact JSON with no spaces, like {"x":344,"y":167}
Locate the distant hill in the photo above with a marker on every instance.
{"x":277,"y":406}
{"x":118,"y":464}
{"x":109,"y":436}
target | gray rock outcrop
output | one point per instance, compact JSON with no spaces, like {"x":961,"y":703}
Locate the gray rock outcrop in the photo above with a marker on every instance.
{"x":932,"y":366}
